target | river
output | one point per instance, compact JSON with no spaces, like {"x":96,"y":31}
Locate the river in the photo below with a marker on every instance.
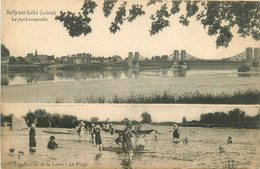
{"x":202,"y":150}
{"x":105,"y":85}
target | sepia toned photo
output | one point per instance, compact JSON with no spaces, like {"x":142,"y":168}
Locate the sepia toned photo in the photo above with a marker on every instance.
{"x":130,"y":52}
{"x":130,"y":84}
{"x":130,"y":136}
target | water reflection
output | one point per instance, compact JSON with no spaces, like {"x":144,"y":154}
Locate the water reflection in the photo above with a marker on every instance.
{"x":18,"y":78}
{"x":179,"y":73}
{"x":15,"y":78}
{"x":126,"y":163}
{"x":98,"y":156}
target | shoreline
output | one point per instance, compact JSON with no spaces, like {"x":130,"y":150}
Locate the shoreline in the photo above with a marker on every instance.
{"x":110,"y":89}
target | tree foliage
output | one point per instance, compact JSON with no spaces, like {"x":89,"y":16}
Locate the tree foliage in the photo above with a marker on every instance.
{"x":43,"y":119}
{"x":4,"y":51}
{"x":218,"y":17}
{"x":146,"y":117}
{"x":125,"y":121}
{"x":234,"y":118}
{"x":7,"y":118}
{"x":184,"y":120}
{"x":94,"y":119}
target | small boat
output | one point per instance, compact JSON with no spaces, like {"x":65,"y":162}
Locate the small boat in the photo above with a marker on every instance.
{"x":59,"y":132}
{"x":138,"y":131}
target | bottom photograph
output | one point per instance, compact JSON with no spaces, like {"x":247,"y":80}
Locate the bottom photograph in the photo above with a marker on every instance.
{"x":129,"y":136}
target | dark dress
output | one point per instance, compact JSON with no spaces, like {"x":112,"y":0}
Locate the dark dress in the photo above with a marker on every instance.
{"x":32,"y":141}
{"x":92,"y":132}
{"x":97,"y":137}
{"x":126,"y":142}
{"x":52,"y":145}
{"x":176,"y":133}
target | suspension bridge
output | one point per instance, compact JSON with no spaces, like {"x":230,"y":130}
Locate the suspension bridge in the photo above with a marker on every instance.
{"x":250,"y":56}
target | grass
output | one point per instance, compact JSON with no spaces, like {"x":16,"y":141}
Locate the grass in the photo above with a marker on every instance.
{"x":248,"y":96}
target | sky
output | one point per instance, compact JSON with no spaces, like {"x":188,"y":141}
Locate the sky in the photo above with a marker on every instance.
{"x":50,"y":37}
{"x":117,"y":112}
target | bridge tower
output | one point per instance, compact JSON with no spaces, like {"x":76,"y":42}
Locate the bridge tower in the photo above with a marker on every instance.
{"x":133,"y":60}
{"x":256,"y":59}
{"x":183,"y":55}
{"x":256,"y":54}
{"x":130,"y":59}
{"x":249,"y":53}
{"x":176,"y":55}
{"x":136,"y":60}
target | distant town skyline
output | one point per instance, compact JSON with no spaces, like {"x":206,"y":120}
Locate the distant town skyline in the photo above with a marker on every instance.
{"x":51,"y":38}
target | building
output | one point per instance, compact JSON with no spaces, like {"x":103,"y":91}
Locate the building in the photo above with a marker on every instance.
{"x":39,"y":59}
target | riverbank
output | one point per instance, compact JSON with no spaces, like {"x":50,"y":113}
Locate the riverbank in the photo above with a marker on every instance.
{"x":141,"y":90}
{"x":163,"y":64}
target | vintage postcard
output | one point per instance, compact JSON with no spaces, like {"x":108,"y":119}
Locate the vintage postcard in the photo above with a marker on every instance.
{"x":130,"y":84}
{"x":58,"y":51}
{"x":130,"y":136}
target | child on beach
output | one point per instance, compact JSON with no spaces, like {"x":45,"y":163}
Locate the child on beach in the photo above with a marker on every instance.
{"x":32,"y":138}
{"x":111,"y":129}
{"x":52,"y":145}
{"x":229,"y":140}
{"x":176,"y":133}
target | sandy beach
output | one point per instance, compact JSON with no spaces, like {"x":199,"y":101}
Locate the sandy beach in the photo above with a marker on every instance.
{"x":202,"y":151}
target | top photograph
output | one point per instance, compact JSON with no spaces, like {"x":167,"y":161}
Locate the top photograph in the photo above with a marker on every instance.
{"x":132,"y":51}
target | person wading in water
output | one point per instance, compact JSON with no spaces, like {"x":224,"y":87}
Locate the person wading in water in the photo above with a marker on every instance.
{"x":126,"y":142}
{"x":176,"y":134}
{"x":32,"y":138}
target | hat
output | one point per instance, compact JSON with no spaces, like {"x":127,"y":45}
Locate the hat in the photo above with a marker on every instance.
{"x":11,"y":150}
{"x":93,"y":125}
{"x":98,"y":126}
{"x":82,"y":123}
{"x":52,"y":137}
{"x":20,"y":152}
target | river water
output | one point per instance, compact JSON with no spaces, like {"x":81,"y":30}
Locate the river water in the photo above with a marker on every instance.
{"x":202,"y":150}
{"x":16,"y":78}
{"x":97,"y":86}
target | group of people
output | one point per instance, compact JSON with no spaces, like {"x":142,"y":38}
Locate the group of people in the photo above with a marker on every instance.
{"x":95,"y":132}
{"x":129,"y":138}
{"x":32,"y":140}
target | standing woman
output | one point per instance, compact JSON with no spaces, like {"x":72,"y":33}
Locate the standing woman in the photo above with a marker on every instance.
{"x":127,"y":143}
{"x":82,"y":131}
{"x":32,"y":139}
{"x":98,"y":140}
